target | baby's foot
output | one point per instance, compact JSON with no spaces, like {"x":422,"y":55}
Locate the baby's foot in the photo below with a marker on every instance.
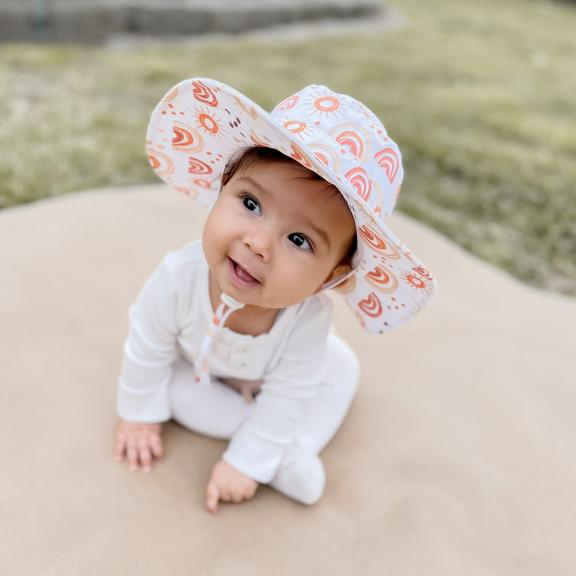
{"x":300,"y":476}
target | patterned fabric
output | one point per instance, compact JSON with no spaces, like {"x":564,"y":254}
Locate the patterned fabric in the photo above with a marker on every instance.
{"x":201,"y":123}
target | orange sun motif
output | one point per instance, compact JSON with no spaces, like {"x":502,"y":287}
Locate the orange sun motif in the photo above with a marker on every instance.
{"x":321,"y":106}
{"x":327,"y":104}
{"x":418,"y":283}
{"x":295,"y":126}
{"x":208,"y":124}
{"x":299,"y":129}
{"x":421,"y":271}
{"x":415,"y":281}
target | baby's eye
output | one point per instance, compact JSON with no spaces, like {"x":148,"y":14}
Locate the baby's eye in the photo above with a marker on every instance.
{"x":251,"y":204}
{"x":300,"y":241}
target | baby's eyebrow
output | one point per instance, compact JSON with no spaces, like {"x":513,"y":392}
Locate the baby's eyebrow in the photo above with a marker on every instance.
{"x":256,"y":184}
{"x":323,"y":234}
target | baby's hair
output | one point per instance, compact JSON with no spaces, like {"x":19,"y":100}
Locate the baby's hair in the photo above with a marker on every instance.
{"x":240,"y":162}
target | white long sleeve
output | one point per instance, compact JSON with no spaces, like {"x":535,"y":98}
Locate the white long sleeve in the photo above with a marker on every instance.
{"x":150,"y":349}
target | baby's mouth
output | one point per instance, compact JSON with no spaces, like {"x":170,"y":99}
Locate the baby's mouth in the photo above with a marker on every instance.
{"x":242,"y":273}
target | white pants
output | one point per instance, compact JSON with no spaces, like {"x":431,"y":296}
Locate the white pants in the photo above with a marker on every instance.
{"x":219,"y":410}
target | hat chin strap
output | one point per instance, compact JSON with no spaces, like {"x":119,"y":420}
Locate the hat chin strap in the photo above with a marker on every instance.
{"x":225,"y":308}
{"x":337,"y":281}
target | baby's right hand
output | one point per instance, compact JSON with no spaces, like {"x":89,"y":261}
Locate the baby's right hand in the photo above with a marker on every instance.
{"x":139,"y":443}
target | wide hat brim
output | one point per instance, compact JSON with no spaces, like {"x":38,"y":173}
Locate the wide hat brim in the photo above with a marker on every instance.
{"x":201,"y":123}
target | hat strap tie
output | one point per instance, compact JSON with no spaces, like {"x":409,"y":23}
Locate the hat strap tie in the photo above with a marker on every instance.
{"x":225,"y":308}
{"x":337,"y":281}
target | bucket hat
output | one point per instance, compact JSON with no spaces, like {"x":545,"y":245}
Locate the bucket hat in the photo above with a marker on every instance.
{"x":201,"y":123}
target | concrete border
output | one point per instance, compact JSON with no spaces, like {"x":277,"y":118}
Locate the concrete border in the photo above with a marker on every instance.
{"x":96,"y":21}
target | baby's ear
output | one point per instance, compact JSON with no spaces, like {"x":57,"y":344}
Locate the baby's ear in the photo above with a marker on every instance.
{"x":339,"y":271}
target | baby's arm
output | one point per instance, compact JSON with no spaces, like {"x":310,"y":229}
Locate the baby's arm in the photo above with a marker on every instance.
{"x":149,"y":351}
{"x":138,"y":443}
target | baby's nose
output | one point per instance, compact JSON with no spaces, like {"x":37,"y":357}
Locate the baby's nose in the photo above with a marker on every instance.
{"x":260,"y":243}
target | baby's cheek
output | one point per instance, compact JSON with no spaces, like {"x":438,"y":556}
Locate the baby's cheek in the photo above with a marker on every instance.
{"x":294,"y":287}
{"x":212,"y":243}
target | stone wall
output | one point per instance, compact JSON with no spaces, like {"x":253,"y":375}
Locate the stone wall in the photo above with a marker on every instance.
{"x":92,"y":21}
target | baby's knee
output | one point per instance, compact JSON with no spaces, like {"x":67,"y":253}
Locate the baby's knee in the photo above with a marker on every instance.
{"x":343,"y":363}
{"x":300,"y":476}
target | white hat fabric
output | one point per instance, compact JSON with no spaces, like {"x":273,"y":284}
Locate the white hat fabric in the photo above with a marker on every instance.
{"x":201,"y":123}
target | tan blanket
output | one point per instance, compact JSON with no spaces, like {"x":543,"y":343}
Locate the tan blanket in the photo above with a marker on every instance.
{"x":457,"y":457}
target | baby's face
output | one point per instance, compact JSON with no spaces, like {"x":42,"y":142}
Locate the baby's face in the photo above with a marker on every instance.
{"x":274,"y":235}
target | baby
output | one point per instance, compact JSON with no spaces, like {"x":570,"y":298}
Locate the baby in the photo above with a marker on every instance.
{"x":230,"y":336}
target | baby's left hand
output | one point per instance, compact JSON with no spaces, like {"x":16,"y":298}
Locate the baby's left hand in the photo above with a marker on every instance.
{"x":229,"y":485}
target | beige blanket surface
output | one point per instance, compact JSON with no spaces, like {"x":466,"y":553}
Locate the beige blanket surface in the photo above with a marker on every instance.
{"x":456,"y":458}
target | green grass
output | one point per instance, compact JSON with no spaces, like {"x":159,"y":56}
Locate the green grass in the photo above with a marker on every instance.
{"x":479,"y":96}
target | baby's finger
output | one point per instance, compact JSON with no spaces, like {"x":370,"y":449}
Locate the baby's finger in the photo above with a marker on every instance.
{"x":132,"y":452}
{"x":247,"y":395}
{"x":119,"y":452}
{"x":120,"y":445}
{"x":156,"y":445}
{"x":145,"y":455}
{"x":212,"y":497}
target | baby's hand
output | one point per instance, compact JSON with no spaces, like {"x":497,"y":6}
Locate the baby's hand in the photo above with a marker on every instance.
{"x":229,"y":485}
{"x":139,"y":443}
{"x":248,"y":388}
